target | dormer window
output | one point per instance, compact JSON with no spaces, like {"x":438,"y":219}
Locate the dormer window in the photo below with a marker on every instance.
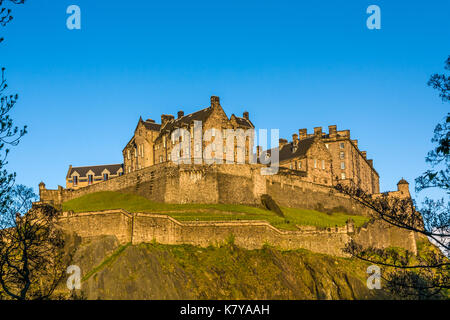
{"x":90,"y":179}
{"x":342,"y":145}
{"x":105,"y":176}
{"x":75,"y":180}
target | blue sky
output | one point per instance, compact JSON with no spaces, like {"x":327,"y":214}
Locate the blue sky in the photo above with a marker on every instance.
{"x":291,"y":64}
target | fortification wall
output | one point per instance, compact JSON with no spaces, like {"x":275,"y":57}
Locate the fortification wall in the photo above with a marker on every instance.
{"x":145,"y":227}
{"x":118,"y":223}
{"x":235,"y":184}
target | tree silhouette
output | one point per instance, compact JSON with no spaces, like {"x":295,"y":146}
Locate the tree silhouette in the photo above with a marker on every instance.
{"x":426,"y":274}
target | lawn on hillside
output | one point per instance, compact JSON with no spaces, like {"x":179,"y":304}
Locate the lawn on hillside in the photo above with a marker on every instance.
{"x":209,"y":212}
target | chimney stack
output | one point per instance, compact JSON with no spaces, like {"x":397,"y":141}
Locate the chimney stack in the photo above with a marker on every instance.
{"x":318,"y":131}
{"x":302,"y":133}
{"x":166,"y":118}
{"x":332,"y":131}
{"x":355,"y":142}
{"x":180,"y":114}
{"x":364,"y":153}
{"x":370,"y":161}
{"x":295,"y":139}
{"x":215,"y":101}
{"x":281,"y":143}
{"x":245,"y":115}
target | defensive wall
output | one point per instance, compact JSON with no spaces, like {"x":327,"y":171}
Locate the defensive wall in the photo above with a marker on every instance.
{"x":146,"y":227}
{"x":226,"y":183}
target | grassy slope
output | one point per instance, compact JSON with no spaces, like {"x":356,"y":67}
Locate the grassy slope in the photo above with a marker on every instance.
{"x":134,"y":203}
{"x":155,"y":271}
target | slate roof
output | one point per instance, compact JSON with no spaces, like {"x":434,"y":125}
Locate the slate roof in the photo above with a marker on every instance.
{"x":200,"y":115}
{"x":244,"y":122}
{"x":82,"y":171}
{"x":287,"y":152}
{"x":151,"y":125}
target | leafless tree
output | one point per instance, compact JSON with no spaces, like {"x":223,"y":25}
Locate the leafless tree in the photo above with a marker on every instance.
{"x":426,"y":274}
{"x":32,"y":257}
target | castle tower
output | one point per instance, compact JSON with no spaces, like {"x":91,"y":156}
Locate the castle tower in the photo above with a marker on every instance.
{"x":403,"y":187}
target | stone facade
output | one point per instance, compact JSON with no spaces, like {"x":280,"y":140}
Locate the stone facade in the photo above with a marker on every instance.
{"x":146,"y":227}
{"x":322,"y":158}
{"x":79,"y":177}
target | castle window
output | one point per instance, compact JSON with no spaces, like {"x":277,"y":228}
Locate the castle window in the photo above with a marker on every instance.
{"x":75,"y":180}
{"x":128,"y":154}
{"x":135,"y":152}
{"x":342,"y":165}
{"x":290,"y":166}
{"x":213,"y":132}
{"x":323,"y":164}
{"x":142,"y":150}
{"x":129,"y":169}
{"x":105,"y":176}
{"x":160,"y":159}
{"x":299,"y":164}
{"x":342,"y":155}
{"x":342,"y":145}
{"x":90,"y":179}
{"x":327,"y":145}
{"x":343,"y":175}
{"x":315,"y":163}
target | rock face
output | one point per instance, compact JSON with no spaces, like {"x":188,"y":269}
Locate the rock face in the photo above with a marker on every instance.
{"x":154,"y":271}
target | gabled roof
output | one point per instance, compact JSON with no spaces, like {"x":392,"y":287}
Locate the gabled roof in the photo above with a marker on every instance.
{"x":244,"y":122}
{"x":151,"y":125}
{"x":200,"y":115}
{"x":287,"y":151}
{"x":82,"y":171}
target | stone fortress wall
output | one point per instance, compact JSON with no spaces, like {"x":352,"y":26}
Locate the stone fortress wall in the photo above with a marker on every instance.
{"x":237,"y":184}
{"x":225,"y":183}
{"x":145,"y":227}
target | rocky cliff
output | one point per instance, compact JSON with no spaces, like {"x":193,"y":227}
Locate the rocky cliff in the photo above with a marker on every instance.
{"x":154,"y":271}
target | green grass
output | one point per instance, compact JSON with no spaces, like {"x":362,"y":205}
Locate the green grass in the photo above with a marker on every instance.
{"x":209,"y":212}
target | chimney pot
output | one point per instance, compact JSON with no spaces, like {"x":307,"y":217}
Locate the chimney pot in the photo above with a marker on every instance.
{"x":180,"y":114}
{"x":303,"y":133}
{"x":281,"y":142}
{"x":318,"y":131}
{"x":295,"y":139}
{"x":245,"y":115}
{"x":215,"y":101}
{"x":332,"y":131}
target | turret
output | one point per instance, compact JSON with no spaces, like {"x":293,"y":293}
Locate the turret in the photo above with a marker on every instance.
{"x":403,"y":187}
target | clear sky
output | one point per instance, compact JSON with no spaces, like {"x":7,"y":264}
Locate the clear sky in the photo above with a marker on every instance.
{"x":291,"y":64}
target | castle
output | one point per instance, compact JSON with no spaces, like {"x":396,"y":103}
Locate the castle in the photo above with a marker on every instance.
{"x":322,"y":158}
{"x":308,"y":167}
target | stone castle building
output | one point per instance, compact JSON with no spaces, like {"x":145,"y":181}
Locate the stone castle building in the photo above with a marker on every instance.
{"x":309,"y":166}
{"x":319,"y":157}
